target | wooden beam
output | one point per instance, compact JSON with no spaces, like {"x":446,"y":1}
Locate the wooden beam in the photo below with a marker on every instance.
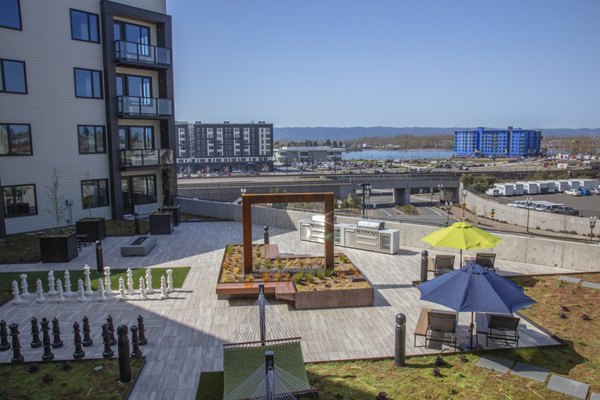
{"x":247,"y":233}
{"x":328,"y":202}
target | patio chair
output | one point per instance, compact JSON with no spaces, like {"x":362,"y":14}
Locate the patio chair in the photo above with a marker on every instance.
{"x":486,"y":260}
{"x":443,"y":264}
{"x":499,"y":328}
{"x":440,"y":325}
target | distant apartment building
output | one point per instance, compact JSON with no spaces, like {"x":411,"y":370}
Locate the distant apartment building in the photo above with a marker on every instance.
{"x":498,"y":143}
{"x":307,"y":154}
{"x":86,"y":88}
{"x":206,"y":147}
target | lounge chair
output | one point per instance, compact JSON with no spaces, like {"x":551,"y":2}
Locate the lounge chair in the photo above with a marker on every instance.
{"x":442,"y":264}
{"x":486,"y":260}
{"x":498,"y":328}
{"x":437,"y":326}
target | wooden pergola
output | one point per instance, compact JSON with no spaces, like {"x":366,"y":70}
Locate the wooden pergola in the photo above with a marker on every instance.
{"x":249,"y":199}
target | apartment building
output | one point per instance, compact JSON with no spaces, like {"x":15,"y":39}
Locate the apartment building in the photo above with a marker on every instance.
{"x":498,"y":142}
{"x":206,"y":147}
{"x":86,"y":90}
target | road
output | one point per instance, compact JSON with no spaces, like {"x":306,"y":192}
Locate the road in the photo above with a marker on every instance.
{"x":383,"y":208}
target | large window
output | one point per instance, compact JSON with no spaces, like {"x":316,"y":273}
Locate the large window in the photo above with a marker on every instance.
{"x":134,"y":85}
{"x":91,"y":139}
{"x":136,"y":137}
{"x":19,"y":200}
{"x":88,"y":83}
{"x":15,"y":140}
{"x":131,"y":32}
{"x":144,"y":189}
{"x":10,"y":14}
{"x":84,"y":26}
{"x":94,"y":193}
{"x":12,"y":74}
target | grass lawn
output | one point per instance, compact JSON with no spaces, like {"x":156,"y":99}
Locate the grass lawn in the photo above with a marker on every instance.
{"x":21,"y":248}
{"x":6,"y":278}
{"x":81,"y":381}
{"x":122,"y":227}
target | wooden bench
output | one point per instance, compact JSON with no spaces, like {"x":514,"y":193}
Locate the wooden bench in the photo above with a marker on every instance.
{"x":82,"y":238}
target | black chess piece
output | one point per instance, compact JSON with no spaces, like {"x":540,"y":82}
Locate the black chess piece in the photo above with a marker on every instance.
{"x":48,"y":355}
{"x":16,"y":344}
{"x":57,"y":342}
{"x":35,"y":334}
{"x":79,"y":353}
{"x":111,"y":330}
{"x":135,"y":342}
{"x":108,"y":351}
{"x":87,"y":339}
{"x":142,"y":331}
{"x":4,"y":345}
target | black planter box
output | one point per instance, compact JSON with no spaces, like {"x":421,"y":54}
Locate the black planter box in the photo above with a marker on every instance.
{"x":161,"y":224}
{"x":95,"y":228}
{"x":58,"y":248}
{"x":176,"y":213}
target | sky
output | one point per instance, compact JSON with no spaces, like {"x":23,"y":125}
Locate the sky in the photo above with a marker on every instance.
{"x":433,"y":63}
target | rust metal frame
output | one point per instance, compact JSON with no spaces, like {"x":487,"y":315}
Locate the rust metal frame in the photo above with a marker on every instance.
{"x":249,"y":199}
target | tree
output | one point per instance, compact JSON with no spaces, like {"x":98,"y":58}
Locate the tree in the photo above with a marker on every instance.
{"x":328,"y":143}
{"x":57,"y":208}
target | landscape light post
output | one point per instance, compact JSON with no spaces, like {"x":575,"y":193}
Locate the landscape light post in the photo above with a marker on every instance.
{"x":529,"y":202}
{"x":592,"y":226}
{"x":464,"y":201}
{"x":442,"y":193}
{"x":365,"y":187}
{"x":448,"y":208}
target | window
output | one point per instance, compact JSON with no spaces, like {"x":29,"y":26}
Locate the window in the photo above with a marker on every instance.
{"x":136,"y":137}
{"x":91,"y":139}
{"x":19,"y":200}
{"x":144,"y":189}
{"x":12,"y":76}
{"x":134,"y":86}
{"x":94,"y":193}
{"x":84,"y":26}
{"x":15,"y":140}
{"x":88,"y":83}
{"x":132,"y":32}
{"x":10,"y":14}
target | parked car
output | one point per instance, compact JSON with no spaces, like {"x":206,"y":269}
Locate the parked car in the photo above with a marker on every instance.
{"x":585,"y":192}
{"x":565,"y":210}
{"x":573,"y":192}
{"x":595,"y":191}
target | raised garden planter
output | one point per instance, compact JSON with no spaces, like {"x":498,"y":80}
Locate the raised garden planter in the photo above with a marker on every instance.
{"x":161,"y":223}
{"x":176,"y":213}
{"x":58,"y":247}
{"x":95,"y":228}
{"x":141,"y":246}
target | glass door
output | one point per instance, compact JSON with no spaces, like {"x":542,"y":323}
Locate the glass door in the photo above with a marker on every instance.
{"x":127,"y":195}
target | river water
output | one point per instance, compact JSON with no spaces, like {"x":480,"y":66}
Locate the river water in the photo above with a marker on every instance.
{"x":397,"y":154}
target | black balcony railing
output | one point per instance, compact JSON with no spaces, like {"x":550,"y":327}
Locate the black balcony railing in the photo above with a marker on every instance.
{"x":138,"y":53}
{"x":147,"y":158}
{"x":146,"y":107}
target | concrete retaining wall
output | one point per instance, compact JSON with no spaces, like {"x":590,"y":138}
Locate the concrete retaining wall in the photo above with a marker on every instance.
{"x":520,"y":248}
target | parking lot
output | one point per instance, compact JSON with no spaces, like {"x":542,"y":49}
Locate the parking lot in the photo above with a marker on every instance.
{"x":587,"y":205}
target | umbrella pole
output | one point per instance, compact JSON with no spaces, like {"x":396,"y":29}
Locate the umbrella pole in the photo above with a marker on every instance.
{"x":472,"y":326}
{"x":461,"y":264}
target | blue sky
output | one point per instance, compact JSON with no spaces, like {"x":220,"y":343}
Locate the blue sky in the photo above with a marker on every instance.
{"x":527,"y":63}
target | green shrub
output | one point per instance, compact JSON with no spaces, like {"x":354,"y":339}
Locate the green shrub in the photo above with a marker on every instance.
{"x":298,"y":277}
{"x":320,"y":274}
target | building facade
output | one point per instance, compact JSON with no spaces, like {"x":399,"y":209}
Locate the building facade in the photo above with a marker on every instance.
{"x":87,"y":97}
{"x":307,"y":154}
{"x":498,"y":143}
{"x":226,"y":147}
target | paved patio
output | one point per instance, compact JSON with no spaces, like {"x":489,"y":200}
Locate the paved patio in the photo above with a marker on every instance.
{"x":186,"y":332}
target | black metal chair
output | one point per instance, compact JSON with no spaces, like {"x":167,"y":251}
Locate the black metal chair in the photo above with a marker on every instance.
{"x":486,"y":260}
{"x":440,"y":325}
{"x":502,"y":329}
{"x":443,"y":264}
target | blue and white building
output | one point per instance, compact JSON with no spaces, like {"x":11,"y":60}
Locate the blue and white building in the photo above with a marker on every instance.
{"x":498,"y":142}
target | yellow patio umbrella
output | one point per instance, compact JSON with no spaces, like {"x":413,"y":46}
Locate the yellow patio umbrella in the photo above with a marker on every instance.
{"x":464,"y":236}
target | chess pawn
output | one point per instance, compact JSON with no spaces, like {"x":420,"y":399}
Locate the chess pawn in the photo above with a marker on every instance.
{"x":57,"y":342}
{"x":135,"y":342}
{"x":51,"y":286}
{"x":80,"y":292}
{"x":87,"y":339}
{"x":130,"y":289}
{"x":108,"y":351}
{"x":68,"y":291}
{"x":59,"y":292}
{"x":48,"y":355}
{"x":102,"y":296}
{"x":142,"y":331}
{"x":142,"y":289}
{"x":107,"y":283}
{"x":15,"y":291}
{"x":24,"y":286}
{"x":121,"y":295}
{"x":163,"y":288}
{"x":170,"y":281}
{"x":79,"y":353}
{"x":149,"y":289}
{"x":16,"y":344}
{"x":35,"y":334}
{"x":4,"y":345}
{"x":111,"y":330}
{"x":39,"y":290}
{"x":88,"y":283}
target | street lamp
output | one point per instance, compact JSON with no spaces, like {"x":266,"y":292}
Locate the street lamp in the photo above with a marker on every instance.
{"x":365,"y":187}
{"x":464,"y":201}
{"x":448,"y":208}
{"x":592,"y":226}
{"x":242,"y":192}
{"x":442,"y":193}
{"x":529,"y":202}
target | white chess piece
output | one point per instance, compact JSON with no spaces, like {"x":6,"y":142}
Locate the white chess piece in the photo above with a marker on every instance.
{"x":80,"y":292}
{"x":121,"y":295}
{"x":142,"y":289}
{"x":163,"y":288}
{"x":15,"y":291}
{"x":51,"y":288}
{"x":24,"y":286}
{"x":102,"y":296}
{"x":39,"y":290}
{"x":59,"y":292}
{"x":149,"y":289}
{"x":107,"y":282}
{"x":170,"y":281}
{"x":68,"y":291}
{"x":130,"y":289}
{"x":88,"y":283}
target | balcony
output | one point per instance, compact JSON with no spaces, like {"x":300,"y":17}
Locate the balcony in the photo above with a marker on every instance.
{"x":144,"y":107}
{"x":132,"y":159}
{"x":142,"y":55}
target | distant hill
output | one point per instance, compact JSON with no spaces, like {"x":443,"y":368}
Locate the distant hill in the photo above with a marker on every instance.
{"x":323,"y":133}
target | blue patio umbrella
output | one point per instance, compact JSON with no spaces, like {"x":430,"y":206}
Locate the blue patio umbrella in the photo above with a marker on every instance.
{"x":475,"y":289}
